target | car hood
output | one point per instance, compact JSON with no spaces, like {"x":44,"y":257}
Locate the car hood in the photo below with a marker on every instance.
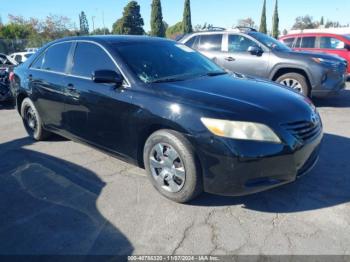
{"x":307,"y":54}
{"x":241,"y":98}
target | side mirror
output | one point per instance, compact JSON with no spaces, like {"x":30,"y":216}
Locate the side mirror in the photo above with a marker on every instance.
{"x":107,"y":77}
{"x":255,"y":50}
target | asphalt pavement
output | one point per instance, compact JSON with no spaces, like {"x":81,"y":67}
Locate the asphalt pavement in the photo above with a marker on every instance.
{"x":60,"y":197}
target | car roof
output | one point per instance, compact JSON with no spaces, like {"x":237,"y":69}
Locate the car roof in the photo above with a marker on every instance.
{"x":113,"y":39}
{"x":311,"y":34}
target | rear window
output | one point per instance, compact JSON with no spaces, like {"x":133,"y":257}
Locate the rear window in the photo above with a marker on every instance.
{"x":289,"y":41}
{"x":210,"y":42}
{"x":308,"y":42}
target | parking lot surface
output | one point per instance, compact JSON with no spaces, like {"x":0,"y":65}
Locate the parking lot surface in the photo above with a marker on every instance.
{"x":60,"y":197}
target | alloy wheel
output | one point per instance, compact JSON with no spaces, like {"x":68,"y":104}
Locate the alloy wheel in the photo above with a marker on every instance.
{"x":292,"y":83}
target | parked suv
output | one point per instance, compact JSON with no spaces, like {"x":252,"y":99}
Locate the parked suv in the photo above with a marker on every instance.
{"x":249,"y":52}
{"x":320,"y":42}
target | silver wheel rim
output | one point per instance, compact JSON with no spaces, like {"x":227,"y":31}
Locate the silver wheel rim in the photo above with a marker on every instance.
{"x":167,"y":168}
{"x":31,"y":119}
{"x":292,"y":83}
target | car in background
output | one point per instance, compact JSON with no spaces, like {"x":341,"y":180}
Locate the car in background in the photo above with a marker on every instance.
{"x":21,"y":57}
{"x":333,"y":44}
{"x":192,"y":125}
{"x":246,"y":51}
{"x":31,"y":49}
{"x":7,"y":65}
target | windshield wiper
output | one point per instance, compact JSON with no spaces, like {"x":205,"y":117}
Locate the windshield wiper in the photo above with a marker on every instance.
{"x":216,"y":73}
{"x":166,"y":80}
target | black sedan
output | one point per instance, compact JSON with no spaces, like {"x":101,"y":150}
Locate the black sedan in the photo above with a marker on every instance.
{"x":160,"y":105}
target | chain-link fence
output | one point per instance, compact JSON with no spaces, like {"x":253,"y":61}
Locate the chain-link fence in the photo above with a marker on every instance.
{"x":9,"y":46}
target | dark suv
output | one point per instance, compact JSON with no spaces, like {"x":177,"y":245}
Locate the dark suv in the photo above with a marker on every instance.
{"x":249,"y":52}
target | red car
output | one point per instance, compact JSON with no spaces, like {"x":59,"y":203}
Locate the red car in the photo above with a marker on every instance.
{"x":320,"y":42}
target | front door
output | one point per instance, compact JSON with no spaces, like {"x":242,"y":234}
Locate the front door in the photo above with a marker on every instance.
{"x":238,"y":59}
{"x":96,"y":112}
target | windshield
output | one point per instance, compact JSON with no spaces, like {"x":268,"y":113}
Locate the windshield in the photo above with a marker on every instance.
{"x":165,"y":61}
{"x":270,"y":42}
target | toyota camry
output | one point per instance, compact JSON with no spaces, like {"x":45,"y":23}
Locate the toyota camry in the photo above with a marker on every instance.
{"x":160,"y":105}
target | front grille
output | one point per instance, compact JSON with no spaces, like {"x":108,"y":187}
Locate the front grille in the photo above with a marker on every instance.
{"x":304,"y":130}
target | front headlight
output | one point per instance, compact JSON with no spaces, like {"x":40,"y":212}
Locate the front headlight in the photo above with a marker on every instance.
{"x":240,"y":130}
{"x":323,"y":61}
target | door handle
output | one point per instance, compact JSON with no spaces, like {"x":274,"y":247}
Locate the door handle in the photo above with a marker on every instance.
{"x":71,"y":88}
{"x":230,"y":59}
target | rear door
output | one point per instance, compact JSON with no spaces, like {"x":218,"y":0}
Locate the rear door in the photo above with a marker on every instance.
{"x":306,"y":43}
{"x":47,"y":80}
{"x":211,"y":45}
{"x":238,"y":59}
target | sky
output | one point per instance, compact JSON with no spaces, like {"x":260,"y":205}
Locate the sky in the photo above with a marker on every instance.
{"x":223,"y":13}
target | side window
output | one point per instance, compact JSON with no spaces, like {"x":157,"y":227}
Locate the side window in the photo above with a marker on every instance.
{"x":210,"y":42}
{"x":289,"y":41}
{"x":331,"y":43}
{"x":56,"y":57}
{"x":308,"y":42}
{"x":88,"y":58}
{"x":191,"y":41}
{"x":239,"y":43}
{"x":297,"y":44}
{"x":18,"y":58}
{"x":38,"y":62}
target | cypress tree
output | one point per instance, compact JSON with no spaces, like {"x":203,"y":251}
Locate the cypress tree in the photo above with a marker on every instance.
{"x":84,"y":25}
{"x":275,"y":22}
{"x":322,"y":21}
{"x":263,"y":26}
{"x":131,"y":23}
{"x":187,"y":22}
{"x":157,"y":24}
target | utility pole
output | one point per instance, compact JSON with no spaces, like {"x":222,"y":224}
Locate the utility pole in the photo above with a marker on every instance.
{"x":103,"y":22}
{"x":93,"y":23}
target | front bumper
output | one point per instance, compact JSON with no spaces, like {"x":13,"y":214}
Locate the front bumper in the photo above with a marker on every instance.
{"x":258,"y":166}
{"x":333,"y":82}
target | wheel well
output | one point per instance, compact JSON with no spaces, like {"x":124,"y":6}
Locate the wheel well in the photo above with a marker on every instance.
{"x":19,"y":101}
{"x":143,"y":138}
{"x":284,"y":71}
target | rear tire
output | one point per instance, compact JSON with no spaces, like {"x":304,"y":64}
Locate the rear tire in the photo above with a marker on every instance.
{"x":295,"y":81}
{"x":172,"y":166}
{"x":32,"y":121}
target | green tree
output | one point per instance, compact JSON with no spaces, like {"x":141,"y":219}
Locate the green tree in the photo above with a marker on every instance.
{"x":187,"y":20}
{"x":84,"y":25}
{"x":101,"y":31}
{"x":275,"y":22}
{"x":322,"y":21}
{"x":174,"y":30}
{"x":304,"y":22}
{"x":247,"y":22}
{"x":131,"y":23}
{"x":263,"y":26}
{"x":157,"y":24}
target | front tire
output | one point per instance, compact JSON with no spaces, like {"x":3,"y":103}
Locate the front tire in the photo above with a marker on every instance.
{"x":32,"y":121}
{"x":295,"y":81}
{"x":172,"y":166}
